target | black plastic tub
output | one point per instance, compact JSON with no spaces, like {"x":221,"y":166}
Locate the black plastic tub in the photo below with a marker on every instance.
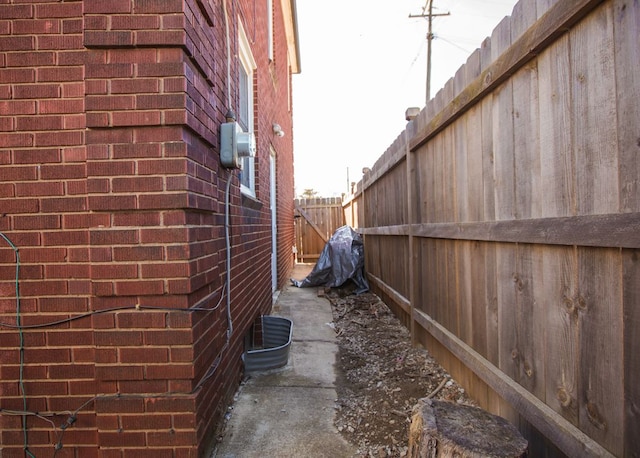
{"x":276,"y":337}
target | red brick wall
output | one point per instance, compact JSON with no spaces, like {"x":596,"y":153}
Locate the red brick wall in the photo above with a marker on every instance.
{"x":111,"y":189}
{"x":284,"y":147}
{"x":275,"y":79}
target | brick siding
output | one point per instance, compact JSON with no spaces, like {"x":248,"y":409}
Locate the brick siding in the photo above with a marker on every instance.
{"x":112,"y":191}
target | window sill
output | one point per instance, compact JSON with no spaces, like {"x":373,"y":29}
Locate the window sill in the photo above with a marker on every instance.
{"x":249,"y":201}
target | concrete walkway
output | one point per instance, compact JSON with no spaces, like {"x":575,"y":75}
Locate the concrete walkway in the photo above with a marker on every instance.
{"x":289,"y":412}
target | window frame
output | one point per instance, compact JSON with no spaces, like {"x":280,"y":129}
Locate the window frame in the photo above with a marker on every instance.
{"x":247,"y":64}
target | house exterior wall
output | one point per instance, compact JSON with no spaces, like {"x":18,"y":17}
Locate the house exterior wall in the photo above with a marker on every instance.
{"x":113,"y":197}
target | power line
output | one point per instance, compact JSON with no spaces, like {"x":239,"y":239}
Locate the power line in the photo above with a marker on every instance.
{"x":455,"y":45}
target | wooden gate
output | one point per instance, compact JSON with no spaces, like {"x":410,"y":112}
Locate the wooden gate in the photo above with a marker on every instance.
{"x":316,"y":220}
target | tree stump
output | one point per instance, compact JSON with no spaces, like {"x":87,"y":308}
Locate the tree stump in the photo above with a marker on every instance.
{"x":446,"y":429}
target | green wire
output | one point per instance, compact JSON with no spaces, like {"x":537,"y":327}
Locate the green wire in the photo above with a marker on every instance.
{"x":21,"y":334}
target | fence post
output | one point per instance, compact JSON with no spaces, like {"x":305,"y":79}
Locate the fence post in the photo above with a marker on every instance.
{"x":410,"y":217}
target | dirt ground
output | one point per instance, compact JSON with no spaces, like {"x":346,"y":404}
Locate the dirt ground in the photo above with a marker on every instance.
{"x":380,"y":375}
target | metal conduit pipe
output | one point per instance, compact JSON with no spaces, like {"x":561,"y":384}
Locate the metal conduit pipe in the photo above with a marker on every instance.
{"x":228,"y":248}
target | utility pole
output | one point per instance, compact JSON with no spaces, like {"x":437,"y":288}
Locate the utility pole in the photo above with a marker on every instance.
{"x":427,"y":12}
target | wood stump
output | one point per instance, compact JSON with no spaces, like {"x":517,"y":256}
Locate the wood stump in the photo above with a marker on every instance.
{"x":447,"y":429}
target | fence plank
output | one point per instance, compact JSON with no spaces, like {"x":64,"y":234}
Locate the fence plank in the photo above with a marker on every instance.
{"x":557,"y":286}
{"x":448,"y":203}
{"x":509,"y":356}
{"x":427,"y":193}
{"x":531,"y":321}
{"x":430,"y":272}
{"x":439,"y":178}
{"x":504,"y":258}
{"x":557,"y":168}
{"x":631,"y":299}
{"x":627,"y":31}
{"x":595,"y":135}
{"x":558,"y":290}
{"x":458,"y":184}
{"x":480,"y":306}
{"x":601,"y":392}
{"x":503,"y":136}
{"x":463,"y":289}
{"x":441,"y":267}
{"x":460,"y":181}
{"x":488,"y":194}
{"x":526,"y":141}
{"x":503,"y":167}
{"x":474,"y":192}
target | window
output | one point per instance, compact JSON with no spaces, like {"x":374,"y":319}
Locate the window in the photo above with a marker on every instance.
{"x":245,"y":108}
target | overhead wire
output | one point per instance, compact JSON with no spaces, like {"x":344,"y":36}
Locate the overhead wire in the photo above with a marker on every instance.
{"x":454,"y":45}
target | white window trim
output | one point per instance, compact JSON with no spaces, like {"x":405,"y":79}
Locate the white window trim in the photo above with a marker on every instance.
{"x":247,"y":61}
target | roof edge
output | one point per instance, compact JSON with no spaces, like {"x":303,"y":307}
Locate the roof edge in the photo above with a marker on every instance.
{"x":290,"y":16}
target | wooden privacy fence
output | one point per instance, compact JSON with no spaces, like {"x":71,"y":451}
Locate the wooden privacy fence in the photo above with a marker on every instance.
{"x":316,"y":221}
{"x":503,"y":225}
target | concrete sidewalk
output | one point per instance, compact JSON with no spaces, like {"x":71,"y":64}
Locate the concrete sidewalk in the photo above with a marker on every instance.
{"x":289,"y":412}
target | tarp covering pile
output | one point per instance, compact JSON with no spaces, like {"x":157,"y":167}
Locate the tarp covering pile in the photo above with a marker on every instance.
{"x":342,"y":259}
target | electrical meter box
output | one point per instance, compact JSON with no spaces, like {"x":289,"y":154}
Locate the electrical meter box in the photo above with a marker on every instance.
{"x":235,"y":144}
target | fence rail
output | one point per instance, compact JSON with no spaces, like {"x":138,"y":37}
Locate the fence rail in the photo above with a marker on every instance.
{"x":503,"y":225}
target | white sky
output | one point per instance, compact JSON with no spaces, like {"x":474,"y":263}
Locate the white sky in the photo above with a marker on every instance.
{"x":363,"y":64}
